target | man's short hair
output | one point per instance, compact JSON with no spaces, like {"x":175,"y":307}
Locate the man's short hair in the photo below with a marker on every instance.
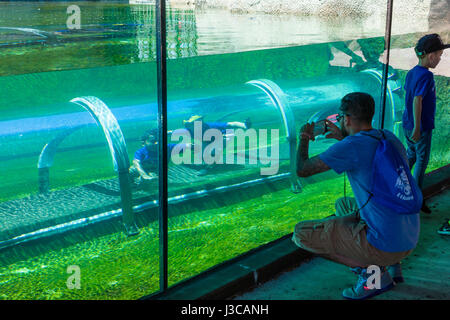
{"x":359,"y":105}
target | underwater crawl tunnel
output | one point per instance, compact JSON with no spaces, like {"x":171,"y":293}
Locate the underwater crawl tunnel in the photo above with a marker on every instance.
{"x":282,"y":105}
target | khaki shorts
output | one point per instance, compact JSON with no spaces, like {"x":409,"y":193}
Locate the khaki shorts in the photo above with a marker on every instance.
{"x":342,"y":238}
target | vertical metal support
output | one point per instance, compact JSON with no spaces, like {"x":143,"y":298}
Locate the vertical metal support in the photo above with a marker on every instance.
{"x":161,"y":54}
{"x":118,"y":149}
{"x":387,"y":45}
{"x":128,"y":218}
{"x":46,"y":158}
{"x":44,"y":179}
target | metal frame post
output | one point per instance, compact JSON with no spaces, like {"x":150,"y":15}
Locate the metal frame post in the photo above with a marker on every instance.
{"x":161,"y":53}
{"x":387,"y":45}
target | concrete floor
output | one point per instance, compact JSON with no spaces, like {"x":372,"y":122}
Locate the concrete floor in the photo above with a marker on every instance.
{"x":426,"y":270}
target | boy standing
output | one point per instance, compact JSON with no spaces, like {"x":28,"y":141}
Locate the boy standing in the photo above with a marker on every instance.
{"x":420,"y":105}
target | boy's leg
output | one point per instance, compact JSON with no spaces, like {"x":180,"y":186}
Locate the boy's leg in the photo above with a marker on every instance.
{"x":411,"y":149}
{"x":423,"y":148}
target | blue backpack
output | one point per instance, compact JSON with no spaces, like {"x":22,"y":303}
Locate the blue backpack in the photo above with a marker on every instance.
{"x":393,"y":186}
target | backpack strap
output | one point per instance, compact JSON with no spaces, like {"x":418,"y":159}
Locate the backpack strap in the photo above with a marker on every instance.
{"x":370,"y":193}
{"x":379,"y":139}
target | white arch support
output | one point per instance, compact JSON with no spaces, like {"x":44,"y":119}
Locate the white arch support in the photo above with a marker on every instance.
{"x":279,"y":100}
{"x":118,"y":149}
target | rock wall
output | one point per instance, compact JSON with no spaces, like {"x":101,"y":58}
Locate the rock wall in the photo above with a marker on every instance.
{"x":325,"y":8}
{"x":409,"y":15}
{"x":439,"y":17}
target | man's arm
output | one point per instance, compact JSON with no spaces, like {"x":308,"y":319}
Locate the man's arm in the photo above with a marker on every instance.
{"x":305,"y":166}
{"x":417,"y":110}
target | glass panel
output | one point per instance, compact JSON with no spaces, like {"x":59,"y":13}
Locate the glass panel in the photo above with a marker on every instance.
{"x":409,"y":25}
{"x":266,"y":74}
{"x":65,"y":163}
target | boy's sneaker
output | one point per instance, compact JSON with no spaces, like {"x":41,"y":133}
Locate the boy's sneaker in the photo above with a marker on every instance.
{"x":445,"y":228}
{"x":362,"y":291}
{"x":395,"y":271}
{"x":425,"y":208}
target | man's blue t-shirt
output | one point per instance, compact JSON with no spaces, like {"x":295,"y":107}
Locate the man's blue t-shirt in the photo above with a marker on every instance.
{"x":387,"y":230}
{"x":420,"y":82}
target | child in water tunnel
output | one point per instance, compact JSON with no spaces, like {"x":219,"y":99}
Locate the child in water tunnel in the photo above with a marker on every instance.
{"x":221,"y":126}
{"x":145,"y":162}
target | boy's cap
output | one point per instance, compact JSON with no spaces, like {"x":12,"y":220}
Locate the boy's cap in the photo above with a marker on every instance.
{"x":430,"y":43}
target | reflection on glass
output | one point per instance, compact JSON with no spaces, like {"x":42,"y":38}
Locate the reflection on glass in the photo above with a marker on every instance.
{"x":73,"y":108}
{"x":229,"y":209}
{"x":249,"y":80}
{"x":433,"y":19}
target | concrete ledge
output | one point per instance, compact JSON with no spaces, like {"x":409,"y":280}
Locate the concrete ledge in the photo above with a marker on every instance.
{"x":239,"y":274}
{"x":436,"y":181}
{"x":259,"y":265}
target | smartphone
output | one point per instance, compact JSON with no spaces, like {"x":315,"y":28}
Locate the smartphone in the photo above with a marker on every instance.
{"x":320,"y":127}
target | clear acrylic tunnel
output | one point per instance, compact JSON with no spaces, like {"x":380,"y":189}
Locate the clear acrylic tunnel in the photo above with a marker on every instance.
{"x":286,"y":106}
{"x":268,"y":104}
{"x":266,"y":151}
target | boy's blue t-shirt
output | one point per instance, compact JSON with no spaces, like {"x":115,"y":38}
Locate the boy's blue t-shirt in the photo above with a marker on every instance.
{"x":387,"y":230}
{"x":149,"y":156}
{"x":420,"y":82}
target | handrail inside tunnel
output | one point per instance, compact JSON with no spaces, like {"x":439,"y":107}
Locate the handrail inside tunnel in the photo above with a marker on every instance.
{"x":108,"y":215}
{"x":46,"y":158}
{"x":30,"y":30}
{"x":41,"y":33}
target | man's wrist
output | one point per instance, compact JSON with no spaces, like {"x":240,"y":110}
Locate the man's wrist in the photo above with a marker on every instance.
{"x":305,"y":136}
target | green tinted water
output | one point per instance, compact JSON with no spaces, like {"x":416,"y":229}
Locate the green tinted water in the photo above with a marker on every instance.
{"x":117,"y":33}
{"x":112,"y":58}
{"x":48,"y":93}
{"x":117,"y":267}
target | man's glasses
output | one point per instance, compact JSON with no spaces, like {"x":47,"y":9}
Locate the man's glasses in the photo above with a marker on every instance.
{"x":340,"y":116}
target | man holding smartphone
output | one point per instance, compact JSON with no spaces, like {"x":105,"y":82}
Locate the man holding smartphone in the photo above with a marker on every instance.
{"x":361,"y":233}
